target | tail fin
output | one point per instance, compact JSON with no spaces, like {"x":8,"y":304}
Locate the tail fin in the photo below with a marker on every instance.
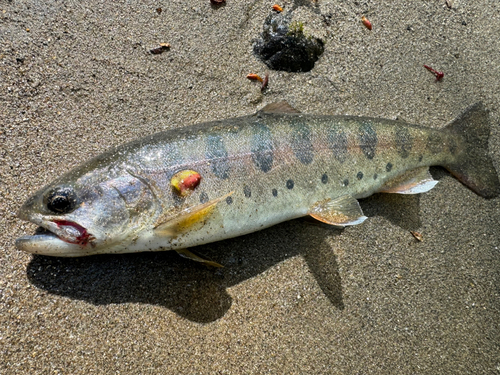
{"x":473,"y":167}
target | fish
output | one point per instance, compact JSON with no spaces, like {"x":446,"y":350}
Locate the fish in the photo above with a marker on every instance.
{"x":216,"y":180}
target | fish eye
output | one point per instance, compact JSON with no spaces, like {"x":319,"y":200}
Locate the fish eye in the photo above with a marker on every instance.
{"x":61,"y":200}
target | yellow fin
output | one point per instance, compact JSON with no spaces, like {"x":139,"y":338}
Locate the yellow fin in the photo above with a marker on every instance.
{"x":279,"y":107}
{"x":415,"y":181}
{"x":185,"y":253}
{"x":341,"y":211}
{"x":187,"y":218}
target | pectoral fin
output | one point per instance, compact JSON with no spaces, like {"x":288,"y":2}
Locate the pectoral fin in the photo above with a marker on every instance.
{"x":185,"y":253}
{"x":190,"y":218}
{"x":342,"y":211}
{"x":415,"y":181}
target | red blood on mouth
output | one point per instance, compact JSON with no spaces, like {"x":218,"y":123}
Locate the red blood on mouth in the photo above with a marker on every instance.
{"x":82,"y":239}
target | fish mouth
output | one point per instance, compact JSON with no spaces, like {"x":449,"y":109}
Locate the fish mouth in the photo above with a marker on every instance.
{"x":72,"y":232}
{"x":57,"y":237}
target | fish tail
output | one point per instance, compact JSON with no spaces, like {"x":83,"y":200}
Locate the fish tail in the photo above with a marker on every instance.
{"x":473,"y":166}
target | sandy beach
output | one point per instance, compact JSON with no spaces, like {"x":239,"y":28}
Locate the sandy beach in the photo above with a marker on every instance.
{"x":300,"y":297}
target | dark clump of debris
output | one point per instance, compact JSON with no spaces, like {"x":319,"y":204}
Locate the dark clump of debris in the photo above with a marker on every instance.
{"x":285,"y":46}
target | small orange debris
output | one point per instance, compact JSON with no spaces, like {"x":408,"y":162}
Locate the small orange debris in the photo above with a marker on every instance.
{"x":254,"y":77}
{"x":184,"y":182}
{"x":162,"y":48}
{"x":366,"y":22}
{"x":277,"y":8}
{"x":417,"y":235}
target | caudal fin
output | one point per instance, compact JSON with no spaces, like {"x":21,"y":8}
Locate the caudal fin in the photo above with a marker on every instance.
{"x":473,"y":167}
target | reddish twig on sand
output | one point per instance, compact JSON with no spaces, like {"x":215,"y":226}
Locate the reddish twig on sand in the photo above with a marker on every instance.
{"x":439,"y":75}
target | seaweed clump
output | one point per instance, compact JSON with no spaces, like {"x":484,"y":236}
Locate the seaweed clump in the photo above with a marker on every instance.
{"x":285,"y":46}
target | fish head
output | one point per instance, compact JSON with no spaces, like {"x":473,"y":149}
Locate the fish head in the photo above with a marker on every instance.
{"x":100,"y":211}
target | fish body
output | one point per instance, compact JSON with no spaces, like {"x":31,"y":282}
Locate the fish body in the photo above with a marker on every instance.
{"x":251,"y":173}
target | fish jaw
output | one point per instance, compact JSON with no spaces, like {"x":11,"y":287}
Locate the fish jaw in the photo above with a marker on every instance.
{"x":51,"y":245}
{"x":59,"y":238}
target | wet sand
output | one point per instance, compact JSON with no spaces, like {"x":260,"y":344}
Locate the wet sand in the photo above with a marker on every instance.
{"x":298,"y":298}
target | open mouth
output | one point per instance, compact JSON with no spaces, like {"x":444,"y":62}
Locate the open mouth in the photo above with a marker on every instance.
{"x":65,"y":230}
{"x":57,"y":237}
{"x":71,"y":232}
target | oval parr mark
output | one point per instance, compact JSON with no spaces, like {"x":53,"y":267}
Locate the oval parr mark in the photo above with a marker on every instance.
{"x":435,"y":143}
{"x":337,"y":141}
{"x":452,"y":145}
{"x":375,"y":176}
{"x":229,"y":200}
{"x":388,"y":167}
{"x":324,"y":178}
{"x":345,"y":182}
{"x":367,"y":140}
{"x":359,"y":176}
{"x":247,"y":191}
{"x":261,"y":146}
{"x":275,"y":193}
{"x":289,"y":184}
{"x":301,"y":141}
{"x":404,"y":142}
{"x":216,"y":153}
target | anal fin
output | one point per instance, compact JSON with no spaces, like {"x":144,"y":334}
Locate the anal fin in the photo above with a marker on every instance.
{"x":185,"y":253}
{"x":415,"y":181}
{"x":341,"y":211}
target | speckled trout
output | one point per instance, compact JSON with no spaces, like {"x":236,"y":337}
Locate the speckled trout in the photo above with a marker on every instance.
{"x":221,"y":179}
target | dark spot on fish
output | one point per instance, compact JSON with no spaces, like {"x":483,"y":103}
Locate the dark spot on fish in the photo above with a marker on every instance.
{"x":388,"y":167}
{"x":229,"y":200}
{"x":247,"y":191}
{"x":420,"y":158}
{"x":301,"y":141}
{"x":337,"y":141}
{"x":275,"y":192}
{"x":324,"y":178}
{"x":203,"y":197}
{"x":435,"y":143}
{"x":346,"y":182}
{"x":404,"y":142}
{"x":375,"y":176}
{"x":367,"y":140}
{"x":216,"y":153}
{"x":289,"y":184}
{"x":359,"y":175}
{"x":178,"y":200}
{"x":262,"y":148}
{"x":452,"y":145}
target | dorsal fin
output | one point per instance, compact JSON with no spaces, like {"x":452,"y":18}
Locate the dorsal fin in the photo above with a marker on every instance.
{"x":279,"y":107}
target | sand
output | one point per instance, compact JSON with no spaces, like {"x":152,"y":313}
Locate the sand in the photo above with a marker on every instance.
{"x":297,"y":298}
